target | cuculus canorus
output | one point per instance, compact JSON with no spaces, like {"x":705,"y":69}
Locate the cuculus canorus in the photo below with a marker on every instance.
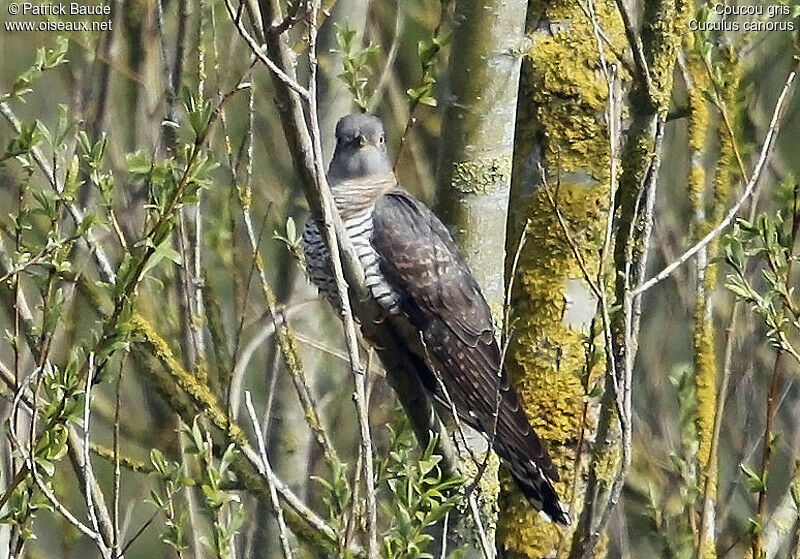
{"x":416,"y":273}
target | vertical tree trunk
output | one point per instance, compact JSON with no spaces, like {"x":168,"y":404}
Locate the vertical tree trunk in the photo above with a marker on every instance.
{"x":475,"y":155}
{"x":477,"y":138}
{"x":705,"y":361}
{"x":562,"y":144}
{"x":705,"y":334}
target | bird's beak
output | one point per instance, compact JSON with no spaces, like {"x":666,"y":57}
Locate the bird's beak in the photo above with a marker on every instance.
{"x":362,"y":142}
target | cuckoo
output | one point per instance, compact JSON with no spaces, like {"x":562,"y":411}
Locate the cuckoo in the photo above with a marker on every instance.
{"x":417,"y":275}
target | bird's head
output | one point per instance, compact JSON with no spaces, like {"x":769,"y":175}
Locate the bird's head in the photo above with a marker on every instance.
{"x":360,"y":149}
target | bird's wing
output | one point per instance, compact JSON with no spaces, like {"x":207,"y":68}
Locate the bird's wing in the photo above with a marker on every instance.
{"x":443,"y":301}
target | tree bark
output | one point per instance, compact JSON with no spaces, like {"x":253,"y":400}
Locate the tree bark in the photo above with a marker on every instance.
{"x":477,"y":137}
{"x":562,"y":144}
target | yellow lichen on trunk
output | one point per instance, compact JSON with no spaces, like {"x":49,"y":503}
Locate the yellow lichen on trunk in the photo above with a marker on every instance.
{"x":545,"y":359}
{"x":705,"y":359}
{"x":697,"y":130}
{"x":727,"y":163}
{"x":560,"y":125}
{"x":705,"y":362}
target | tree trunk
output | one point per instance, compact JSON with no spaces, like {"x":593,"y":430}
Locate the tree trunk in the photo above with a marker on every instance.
{"x":563,"y":147}
{"x":474,"y":175}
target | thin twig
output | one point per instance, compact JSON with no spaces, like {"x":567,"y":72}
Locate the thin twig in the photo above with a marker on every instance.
{"x":443,"y":554}
{"x":329,"y":210}
{"x":637,"y":48}
{"x":388,"y":67}
{"x":68,"y":516}
{"x":603,"y":37}
{"x":266,"y":471}
{"x":258,"y":51}
{"x":116,"y":494}
{"x":486,"y":549}
{"x":140,"y":531}
{"x":286,"y":338}
{"x":267,"y":330}
{"x":87,"y":465}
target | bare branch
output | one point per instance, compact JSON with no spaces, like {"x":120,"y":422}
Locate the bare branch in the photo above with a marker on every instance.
{"x":331,"y":217}
{"x":87,"y":465}
{"x":383,"y":81}
{"x":259,"y":52}
{"x":637,"y":48}
{"x":766,"y":151}
{"x":268,"y":474}
{"x":68,"y":516}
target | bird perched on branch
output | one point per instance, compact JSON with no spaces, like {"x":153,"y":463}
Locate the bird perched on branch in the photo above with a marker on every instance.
{"x":417,"y":275}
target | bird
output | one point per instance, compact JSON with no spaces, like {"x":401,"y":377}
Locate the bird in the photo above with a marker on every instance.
{"x":415,"y":272}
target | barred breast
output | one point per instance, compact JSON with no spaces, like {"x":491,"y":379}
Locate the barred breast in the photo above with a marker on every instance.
{"x":320,"y":272}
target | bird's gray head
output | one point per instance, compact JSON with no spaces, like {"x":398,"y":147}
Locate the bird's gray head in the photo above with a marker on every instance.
{"x":360,"y":149}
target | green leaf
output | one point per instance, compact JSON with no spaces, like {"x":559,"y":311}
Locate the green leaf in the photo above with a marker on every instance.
{"x":89,"y":221}
{"x":227,"y":458}
{"x":755,"y":481}
{"x":71,"y":182}
{"x":158,"y":461}
{"x":138,"y":163}
{"x":57,"y":55}
{"x":198,"y":111}
{"x":162,"y":251}
{"x":29,"y":136}
{"x":735,"y":286}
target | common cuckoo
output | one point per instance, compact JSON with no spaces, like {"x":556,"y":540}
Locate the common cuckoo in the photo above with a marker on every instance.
{"x":416,"y":273}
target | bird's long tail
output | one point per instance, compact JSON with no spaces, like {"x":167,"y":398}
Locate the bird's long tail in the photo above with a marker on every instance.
{"x":536,"y":485}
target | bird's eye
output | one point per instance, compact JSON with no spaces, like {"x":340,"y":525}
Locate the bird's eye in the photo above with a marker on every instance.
{"x":382,"y":139}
